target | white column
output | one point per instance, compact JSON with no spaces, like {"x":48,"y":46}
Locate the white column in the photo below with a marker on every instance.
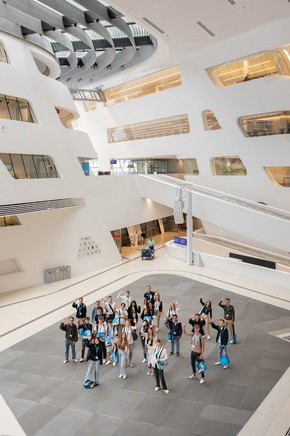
{"x":189,"y":228}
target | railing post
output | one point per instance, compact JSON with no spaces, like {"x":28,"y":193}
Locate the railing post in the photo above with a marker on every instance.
{"x":189,"y":227}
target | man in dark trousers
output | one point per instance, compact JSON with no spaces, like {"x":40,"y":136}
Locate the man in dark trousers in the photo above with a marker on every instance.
{"x":222,"y":338}
{"x":71,"y":337}
{"x":81,"y":309}
{"x":176,"y":333}
{"x":229,"y":316}
{"x":196,"y":319}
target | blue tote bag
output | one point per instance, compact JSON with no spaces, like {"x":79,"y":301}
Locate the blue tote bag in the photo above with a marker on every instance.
{"x":224,"y":360}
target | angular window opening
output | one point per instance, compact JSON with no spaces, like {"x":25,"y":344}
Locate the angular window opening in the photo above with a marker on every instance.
{"x":176,"y":125}
{"x":279,"y":175}
{"x":90,"y":166}
{"x":271,"y":123}
{"x":65,"y":116}
{"x":156,"y":82}
{"x":209,"y":120}
{"x":6,"y":221}
{"x":266,"y":63}
{"x":172,"y":166}
{"x":228,"y":166}
{"x":17,"y":109}
{"x":29,"y":166}
{"x":3,"y":54}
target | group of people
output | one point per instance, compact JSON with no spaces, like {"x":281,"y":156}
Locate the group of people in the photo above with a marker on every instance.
{"x":110,"y":333}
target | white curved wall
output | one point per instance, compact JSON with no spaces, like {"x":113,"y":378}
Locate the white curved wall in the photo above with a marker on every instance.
{"x":51,"y":238}
{"x":196,"y":94}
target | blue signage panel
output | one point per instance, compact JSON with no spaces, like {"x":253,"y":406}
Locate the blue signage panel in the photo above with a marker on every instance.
{"x":181,"y":241}
{"x":113,"y":161}
{"x":86,"y":168}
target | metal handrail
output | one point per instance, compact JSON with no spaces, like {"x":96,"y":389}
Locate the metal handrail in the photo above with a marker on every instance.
{"x":257,"y":252}
{"x":229,"y":198}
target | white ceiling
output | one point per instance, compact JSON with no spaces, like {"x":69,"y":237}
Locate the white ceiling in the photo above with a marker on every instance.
{"x":178,"y":18}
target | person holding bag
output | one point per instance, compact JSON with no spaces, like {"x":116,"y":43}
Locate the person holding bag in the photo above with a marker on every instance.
{"x":95,"y":360}
{"x":197,"y":350}
{"x":160,"y":360}
{"x":222,"y":338}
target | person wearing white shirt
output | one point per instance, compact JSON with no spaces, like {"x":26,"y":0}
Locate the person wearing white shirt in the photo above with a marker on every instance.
{"x":125,"y":298}
{"x":160,"y":360}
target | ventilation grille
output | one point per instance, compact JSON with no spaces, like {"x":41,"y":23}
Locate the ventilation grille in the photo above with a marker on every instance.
{"x":38,"y":206}
{"x":205,"y":28}
{"x":154,"y":25}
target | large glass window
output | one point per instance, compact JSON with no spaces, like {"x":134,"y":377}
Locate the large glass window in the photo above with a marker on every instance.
{"x":271,"y":123}
{"x":176,"y":125}
{"x":29,"y":166}
{"x":156,"y":82}
{"x":6,"y":221}
{"x":279,"y":175}
{"x":154,"y":165}
{"x":17,"y":109}
{"x":267,"y":63}
{"x":209,"y":121}
{"x":228,"y":166}
{"x":3,"y":54}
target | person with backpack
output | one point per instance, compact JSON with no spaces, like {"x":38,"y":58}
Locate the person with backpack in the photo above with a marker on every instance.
{"x":95,"y":360}
{"x":197,"y":350}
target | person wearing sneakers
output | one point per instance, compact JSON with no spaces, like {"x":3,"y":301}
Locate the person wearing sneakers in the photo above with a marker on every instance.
{"x":206,"y":314}
{"x":150,"y":342}
{"x":123,"y":352}
{"x":229,"y":316}
{"x":160,"y":360}
{"x":85,"y":328}
{"x":71,"y":337}
{"x":197,"y":350}
{"x":175,"y":333}
{"x":222,"y":338}
{"x":95,"y":360}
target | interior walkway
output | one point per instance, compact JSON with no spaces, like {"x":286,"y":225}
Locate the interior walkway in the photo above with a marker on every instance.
{"x":46,"y":395}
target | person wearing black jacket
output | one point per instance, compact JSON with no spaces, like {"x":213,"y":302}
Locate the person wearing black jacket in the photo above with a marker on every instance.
{"x":196,"y":319}
{"x":222,"y":338}
{"x":81,"y":309}
{"x":71,"y":337}
{"x":85,"y":327}
{"x":95,"y":360}
{"x":206,"y":313}
{"x":176,"y":333}
{"x":133,"y":311}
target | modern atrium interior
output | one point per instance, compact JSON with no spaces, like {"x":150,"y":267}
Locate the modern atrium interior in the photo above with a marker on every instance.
{"x":126,"y":120}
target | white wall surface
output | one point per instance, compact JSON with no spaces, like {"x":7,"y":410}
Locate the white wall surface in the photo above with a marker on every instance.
{"x":196,"y":94}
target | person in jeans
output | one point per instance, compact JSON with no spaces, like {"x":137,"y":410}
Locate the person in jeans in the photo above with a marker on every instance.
{"x":122,"y":313}
{"x":123,"y":352}
{"x":85,"y":327}
{"x":229,"y":316}
{"x":222,"y":338}
{"x":197,"y":350}
{"x":128,"y":329}
{"x":95,"y":360}
{"x":71,"y":337}
{"x":160,"y":359}
{"x":81,"y":309}
{"x":175,"y":333}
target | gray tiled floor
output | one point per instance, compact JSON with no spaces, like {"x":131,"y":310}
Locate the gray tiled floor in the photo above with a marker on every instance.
{"x":47,"y":397}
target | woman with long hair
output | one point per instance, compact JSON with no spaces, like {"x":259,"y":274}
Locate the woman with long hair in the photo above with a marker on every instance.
{"x":95,"y":360}
{"x":158,"y":306}
{"x":150,"y":342}
{"x":133,"y":311}
{"x":123,"y":352}
{"x":206,"y":314}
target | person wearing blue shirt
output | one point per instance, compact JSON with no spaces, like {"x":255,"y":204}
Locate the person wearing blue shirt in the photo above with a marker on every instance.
{"x":150,"y":244}
{"x":175,"y":333}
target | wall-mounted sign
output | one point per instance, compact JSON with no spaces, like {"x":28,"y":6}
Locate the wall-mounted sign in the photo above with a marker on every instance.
{"x":113,"y":161}
{"x":180,"y":241}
